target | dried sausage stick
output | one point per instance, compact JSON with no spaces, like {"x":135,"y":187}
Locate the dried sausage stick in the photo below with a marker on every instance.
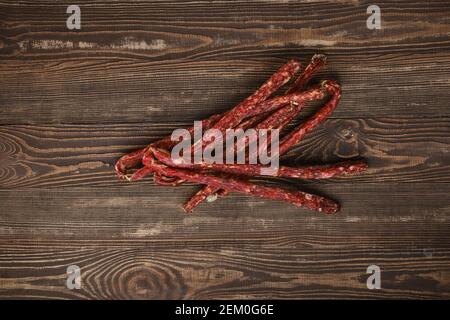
{"x":129,"y":161}
{"x":314,"y":93}
{"x":318,"y":61}
{"x":317,"y":92}
{"x":232,"y":183}
{"x":278,"y":120}
{"x":168,"y":144}
{"x":167,"y":175}
{"x":163,"y":180}
{"x":134,"y":159}
{"x":302,"y":172}
{"x":250,"y":106}
{"x":233,"y":117}
{"x":243,"y":109}
{"x":176,"y":182}
{"x":278,"y":79}
{"x":294,"y":137}
{"x":201,"y":195}
{"x":290,"y":140}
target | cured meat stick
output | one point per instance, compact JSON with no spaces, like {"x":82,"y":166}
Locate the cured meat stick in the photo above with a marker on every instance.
{"x":298,"y":133}
{"x":318,"y":61}
{"x":232,"y":183}
{"x":201,"y":195}
{"x":294,"y":137}
{"x":167,"y":143}
{"x":134,"y":159}
{"x":290,"y":140}
{"x":257,"y":111}
{"x":239,"y":112}
{"x":138,"y":174}
{"x":314,"y":93}
{"x":128,"y":161}
{"x":247,"y":107}
{"x":163,"y":180}
{"x":176,"y":182}
{"x":278,"y":79}
{"x":278,"y":120}
{"x":293,"y":94}
{"x":302,"y":172}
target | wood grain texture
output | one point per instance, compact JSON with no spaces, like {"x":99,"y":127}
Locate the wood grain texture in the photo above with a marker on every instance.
{"x":259,"y":250}
{"x":72,"y":102}
{"x":398,"y":149}
{"x":130,"y":62}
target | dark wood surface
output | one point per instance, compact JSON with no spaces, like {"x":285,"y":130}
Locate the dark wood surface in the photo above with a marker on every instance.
{"x":72,"y":102}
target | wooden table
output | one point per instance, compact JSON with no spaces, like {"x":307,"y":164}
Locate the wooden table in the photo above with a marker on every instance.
{"x":73,"y":101}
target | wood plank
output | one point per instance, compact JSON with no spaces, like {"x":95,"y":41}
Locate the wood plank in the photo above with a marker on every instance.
{"x":130,"y":63}
{"x":135,"y":244}
{"x":227,"y":273}
{"x":397,"y":149}
{"x":73,"y":102}
{"x":117,"y":213}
